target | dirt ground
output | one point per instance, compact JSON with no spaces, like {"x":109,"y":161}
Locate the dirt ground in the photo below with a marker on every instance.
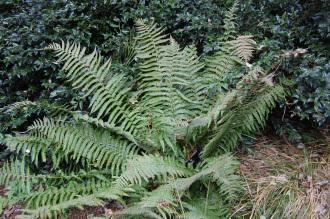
{"x":276,"y":166}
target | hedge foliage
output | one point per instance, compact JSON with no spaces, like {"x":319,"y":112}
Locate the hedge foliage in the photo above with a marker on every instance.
{"x":282,"y":25}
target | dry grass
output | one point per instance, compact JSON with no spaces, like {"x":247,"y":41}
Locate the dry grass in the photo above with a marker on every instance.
{"x":285,"y":182}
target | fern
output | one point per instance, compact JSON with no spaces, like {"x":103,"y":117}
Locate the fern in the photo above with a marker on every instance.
{"x":223,"y":170}
{"x":149,"y":40}
{"x":52,"y":109}
{"x":166,"y":83}
{"x":138,"y":140}
{"x":53,"y":202}
{"x":210,"y":207}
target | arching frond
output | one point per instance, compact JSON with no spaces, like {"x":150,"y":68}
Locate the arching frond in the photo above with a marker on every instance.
{"x":229,"y":26}
{"x":243,"y":47}
{"x":149,"y":167}
{"x":172,"y":94}
{"x":166,"y":198}
{"x":210,"y":207}
{"x":244,"y":116}
{"x":147,"y":146}
{"x":149,"y":40}
{"x":84,"y":142}
{"x":86,"y":73}
{"x":16,"y":172}
{"x":98,"y":193}
{"x":54,"y":109}
{"x":217,"y":66}
{"x":167,"y":84}
{"x":33,"y":146}
{"x":54,"y":211}
{"x":222,"y":170}
{"x":53,"y":195}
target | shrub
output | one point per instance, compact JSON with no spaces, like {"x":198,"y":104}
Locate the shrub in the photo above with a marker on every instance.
{"x":311,"y":97}
{"x":288,"y":25}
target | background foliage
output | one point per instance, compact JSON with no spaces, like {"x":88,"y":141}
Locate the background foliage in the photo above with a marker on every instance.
{"x":287,"y":25}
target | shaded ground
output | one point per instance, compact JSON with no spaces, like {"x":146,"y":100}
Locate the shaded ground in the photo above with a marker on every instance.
{"x":89,"y":212}
{"x":283,"y":181}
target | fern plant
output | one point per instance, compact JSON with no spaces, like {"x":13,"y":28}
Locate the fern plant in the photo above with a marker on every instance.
{"x":155,"y":142}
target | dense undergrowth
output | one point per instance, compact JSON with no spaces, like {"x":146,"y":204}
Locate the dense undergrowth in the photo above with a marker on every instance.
{"x":152,"y":128}
{"x":155,"y":139}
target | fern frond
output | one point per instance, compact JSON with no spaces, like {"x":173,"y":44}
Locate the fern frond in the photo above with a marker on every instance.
{"x":149,"y":167}
{"x":230,"y":24}
{"x":170,"y":93}
{"x":166,"y":198}
{"x":33,"y":146}
{"x":53,"y":195}
{"x":200,"y":208}
{"x":159,"y":203}
{"x":244,"y":117}
{"x":17,"y":171}
{"x":75,"y":139}
{"x":234,"y":52}
{"x":117,"y":130}
{"x":217,"y":66}
{"x":222,"y":170}
{"x":70,"y":199}
{"x":163,"y":200}
{"x":55,"y":109}
{"x":149,"y":39}
{"x":243,"y":47}
{"x":86,"y":73}
{"x":54,"y":211}
{"x":167,"y":84}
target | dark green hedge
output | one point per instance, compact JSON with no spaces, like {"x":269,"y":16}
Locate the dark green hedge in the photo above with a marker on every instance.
{"x":281,"y":25}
